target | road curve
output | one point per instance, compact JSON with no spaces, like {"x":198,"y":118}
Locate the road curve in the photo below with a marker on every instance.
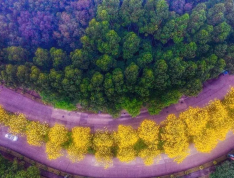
{"x":15,"y":102}
{"x":135,"y":169}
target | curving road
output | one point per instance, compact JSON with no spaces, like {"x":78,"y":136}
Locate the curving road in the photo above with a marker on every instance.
{"x":15,"y":102}
{"x":135,"y":169}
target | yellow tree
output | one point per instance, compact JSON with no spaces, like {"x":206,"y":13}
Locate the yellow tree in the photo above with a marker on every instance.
{"x":17,"y":124}
{"x":175,"y":138}
{"x":81,"y":142}
{"x":103,"y":142}
{"x":219,"y":120}
{"x":229,"y":99}
{"x":53,"y":150}
{"x":148,"y":131}
{"x":206,"y":141}
{"x":217,"y":127}
{"x":4,"y":117}
{"x":196,"y":120}
{"x":36,"y":133}
{"x":126,"y":154}
{"x":228,"y":103}
{"x":58,"y":135}
{"x":149,"y":154}
{"x":126,"y":137}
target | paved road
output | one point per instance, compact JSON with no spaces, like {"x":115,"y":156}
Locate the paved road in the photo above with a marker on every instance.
{"x":15,"y":102}
{"x":134,"y":169}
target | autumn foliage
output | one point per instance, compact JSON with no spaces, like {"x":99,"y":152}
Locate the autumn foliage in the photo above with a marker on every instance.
{"x":36,"y":133}
{"x":58,"y":135}
{"x":204,"y":127}
{"x":81,"y":137}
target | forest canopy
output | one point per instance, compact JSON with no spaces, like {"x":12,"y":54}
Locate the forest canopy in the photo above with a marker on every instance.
{"x":109,"y":55}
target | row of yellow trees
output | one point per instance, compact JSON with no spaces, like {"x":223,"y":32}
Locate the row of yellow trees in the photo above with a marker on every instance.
{"x":204,"y":127}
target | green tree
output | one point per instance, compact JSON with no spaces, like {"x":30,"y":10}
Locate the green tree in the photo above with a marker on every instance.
{"x":221,"y":32}
{"x":80,"y":58}
{"x":59,"y":58}
{"x":181,"y":24}
{"x":171,"y":97}
{"x":96,"y":81}
{"x":192,"y":88}
{"x":216,"y":14}
{"x":131,"y":73}
{"x":155,"y":12}
{"x":131,"y":45}
{"x":144,"y":59}
{"x":42,"y":58}
{"x":23,"y":75}
{"x":15,"y":170}
{"x":197,"y":18}
{"x":34,"y":75}
{"x":224,"y":170}
{"x":110,"y":44}
{"x":105,"y":62}
{"x":189,"y":50}
{"x":132,"y":106}
{"x":131,"y":11}
{"x":161,"y":74}
{"x":204,"y":35}
{"x":220,"y":50}
{"x":164,"y":34}
{"x":109,"y":86}
{"x":176,"y":68}
{"x":118,"y":80}
{"x":145,"y":84}
{"x":108,"y":10}
{"x":71,"y":81}
{"x":16,"y":55}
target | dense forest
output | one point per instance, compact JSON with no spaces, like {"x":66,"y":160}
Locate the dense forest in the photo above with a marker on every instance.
{"x":109,"y":55}
{"x":17,"y":169}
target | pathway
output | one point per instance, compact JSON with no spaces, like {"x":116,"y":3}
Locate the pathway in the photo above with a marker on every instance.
{"x":15,"y":102}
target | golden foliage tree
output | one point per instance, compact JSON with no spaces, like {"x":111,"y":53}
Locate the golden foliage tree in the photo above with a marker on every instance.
{"x":103,"y":142}
{"x":81,"y":142}
{"x":126,"y":137}
{"x":53,"y":150}
{"x":149,"y":154}
{"x":148,"y":131}
{"x":228,"y":103}
{"x":58,"y":135}
{"x":4,"y":117}
{"x":228,"y":100}
{"x":206,"y":141}
{"x":175,"y":138}
{"x":219,"y":120}
{"x":17,"y":124}
{"x":104,"y":157}
{"x":36,"y":132}
{"x":126,"y":154}
{"x":196,"y":120}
